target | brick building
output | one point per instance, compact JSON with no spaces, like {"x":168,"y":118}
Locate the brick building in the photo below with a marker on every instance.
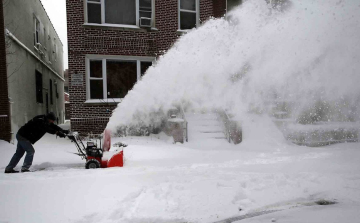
{"x":31,"y":81}
{"x":112,"y":43}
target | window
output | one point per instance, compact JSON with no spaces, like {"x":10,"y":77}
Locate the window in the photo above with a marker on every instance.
{"x":55,"y":50}
{"x":121,"y":76}
{"x":231,"y":4}
{"x":114,"y":77}
{"x":119,"y":12}
{"x":144,"y":65}
{"x":37,"y":31}
{"x":44,"y":39}
{"x":50,"y":49}
{"x":145,"y":8}
{"x":188,"y":14}
{"x":96,"y":80}
{"x":56,"y":90}
{"x":94,"y":11}
{"x":51,"y":92}
{"x":39,"y":87}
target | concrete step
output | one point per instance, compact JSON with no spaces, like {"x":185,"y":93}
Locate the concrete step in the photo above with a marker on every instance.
{"x":204,"y":127}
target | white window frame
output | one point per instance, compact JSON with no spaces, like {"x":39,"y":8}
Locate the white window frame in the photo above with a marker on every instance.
{"x":37,"y":30}
{"x":50,"y":54}
{"x":103,"y":58}
{"x":197,"y":8}
{"x":44,"y":47}
{"x":102,"y":3}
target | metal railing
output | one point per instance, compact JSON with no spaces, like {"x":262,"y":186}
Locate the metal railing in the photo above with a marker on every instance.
{"x":185,"y":124}
{"x":226,"y":122}
{"x":232,"y":130}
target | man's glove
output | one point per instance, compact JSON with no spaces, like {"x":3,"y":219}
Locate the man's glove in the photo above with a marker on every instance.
{"x":65,"y":131}
{"x":61,"y":134}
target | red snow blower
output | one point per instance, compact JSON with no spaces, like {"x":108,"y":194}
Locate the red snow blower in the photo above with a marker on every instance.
{"x":97,"y":157}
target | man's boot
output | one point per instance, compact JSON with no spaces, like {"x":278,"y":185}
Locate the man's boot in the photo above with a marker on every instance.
{"x":11,"y":171}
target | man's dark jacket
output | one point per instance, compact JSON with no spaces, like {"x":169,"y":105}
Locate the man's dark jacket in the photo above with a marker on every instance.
{"x":36,"y":128}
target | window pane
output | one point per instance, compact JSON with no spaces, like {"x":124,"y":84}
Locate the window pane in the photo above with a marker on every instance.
{"x":145,"y":14}
{"x":94,"y":13}
{"x":232,"y":4}
{"x":37,"y":26}
{"x":121,"y":77}
{"x":96,"y":68}
{"x":144,"y":66}
{"x":120,"y":12}
{"x":187,"y":20}
{"x":145,"y":9}
{"x":96,"y":89}
{"x":145,"y":5}
{"x":188,"y":5}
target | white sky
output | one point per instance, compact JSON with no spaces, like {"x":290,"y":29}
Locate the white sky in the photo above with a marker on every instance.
{"x":56,"y":9}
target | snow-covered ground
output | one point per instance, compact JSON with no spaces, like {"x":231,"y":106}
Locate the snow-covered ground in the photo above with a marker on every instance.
{"x":191,"y":182}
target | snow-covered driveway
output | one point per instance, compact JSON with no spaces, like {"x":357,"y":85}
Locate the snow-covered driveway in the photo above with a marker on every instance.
{"x":163,"y":182}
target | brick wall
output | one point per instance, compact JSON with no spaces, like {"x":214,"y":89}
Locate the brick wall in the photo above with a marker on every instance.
{"x":219,"y":8}
{"x":4,"y":98}
{"x":84,"y":40}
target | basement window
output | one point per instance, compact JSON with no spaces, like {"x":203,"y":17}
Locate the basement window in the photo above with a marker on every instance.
{"x":188,"y":15}
{"x":120,"y":13}
{"x":112,"y":78}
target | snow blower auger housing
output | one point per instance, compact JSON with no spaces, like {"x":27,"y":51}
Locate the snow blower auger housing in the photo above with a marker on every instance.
{"x":95,"y":156}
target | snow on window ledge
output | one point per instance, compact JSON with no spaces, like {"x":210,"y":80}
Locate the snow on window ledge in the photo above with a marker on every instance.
{"x":183,"y":31}
{"x":103,"y":101}
{"x":116,"y":26}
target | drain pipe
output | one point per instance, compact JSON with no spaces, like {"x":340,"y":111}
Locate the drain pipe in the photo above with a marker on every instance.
{"x":11,"y":36}
{"x":12,"y":138}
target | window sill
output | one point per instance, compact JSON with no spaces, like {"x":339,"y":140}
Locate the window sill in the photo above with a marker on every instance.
{"x":182,"y":31}
{"x":103,"y":101}
{"x":119,"y":27}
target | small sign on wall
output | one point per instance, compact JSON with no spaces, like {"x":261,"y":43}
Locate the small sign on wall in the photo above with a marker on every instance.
{"x":77,"y":79}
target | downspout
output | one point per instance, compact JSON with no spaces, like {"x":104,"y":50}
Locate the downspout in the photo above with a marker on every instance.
{"x":12,"y":138}
{"x":11,"y":36}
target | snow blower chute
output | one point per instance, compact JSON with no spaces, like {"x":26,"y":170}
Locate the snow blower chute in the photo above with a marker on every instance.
{"x":99,"y":157}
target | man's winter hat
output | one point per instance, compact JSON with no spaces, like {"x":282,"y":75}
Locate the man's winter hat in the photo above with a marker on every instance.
{"x":51,"y":116}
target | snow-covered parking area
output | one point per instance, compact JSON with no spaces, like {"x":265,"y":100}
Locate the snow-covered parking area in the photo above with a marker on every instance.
{"x":163,"y":182}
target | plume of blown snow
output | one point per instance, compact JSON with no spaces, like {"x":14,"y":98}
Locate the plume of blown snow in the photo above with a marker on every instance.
{"x":302,"y":51}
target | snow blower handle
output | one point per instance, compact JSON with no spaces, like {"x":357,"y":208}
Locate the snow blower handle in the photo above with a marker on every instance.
{"x":66,"y":132}
{"x":61,"y":134}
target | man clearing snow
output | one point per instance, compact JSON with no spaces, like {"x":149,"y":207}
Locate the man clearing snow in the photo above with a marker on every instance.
{"x":30,"y":133}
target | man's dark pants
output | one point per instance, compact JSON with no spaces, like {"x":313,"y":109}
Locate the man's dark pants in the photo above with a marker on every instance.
{"x":23,"y":146}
